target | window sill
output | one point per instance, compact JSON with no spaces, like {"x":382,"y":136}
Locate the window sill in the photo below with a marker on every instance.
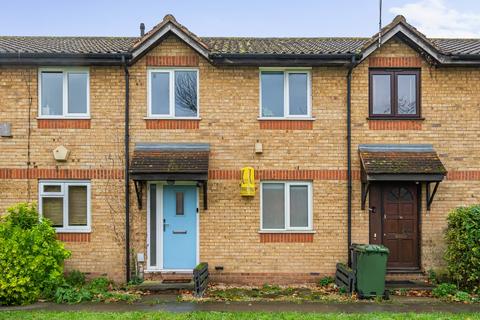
{"x":172,"y":118}
{"x":286,"y":119}
{"x":286,"y":237}
{"x":396,"y":118}
{"x":287,"y":231}
{"x":63,"y":118}
{"x":64,"y":230}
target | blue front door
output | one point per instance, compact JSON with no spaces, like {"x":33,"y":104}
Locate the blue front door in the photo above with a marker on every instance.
{"x":179,"y":226}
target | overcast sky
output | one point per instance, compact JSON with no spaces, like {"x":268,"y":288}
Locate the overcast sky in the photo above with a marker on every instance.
{"x":435,"y":18}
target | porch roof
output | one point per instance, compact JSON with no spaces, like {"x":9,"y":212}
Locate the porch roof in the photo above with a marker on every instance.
{"x":167,"y":161}
{"x":400,"y":162}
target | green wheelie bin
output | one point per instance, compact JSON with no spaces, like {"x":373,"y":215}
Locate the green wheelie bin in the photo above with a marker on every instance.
{"x":369,"y":262}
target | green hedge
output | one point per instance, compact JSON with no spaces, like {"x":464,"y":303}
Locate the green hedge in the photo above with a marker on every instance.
{"x":463,"y":247}
{"x":31,"y":258}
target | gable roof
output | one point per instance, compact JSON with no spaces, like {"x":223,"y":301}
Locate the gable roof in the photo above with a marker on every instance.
{"x":233,"y":50}
{"x":168,"y":25}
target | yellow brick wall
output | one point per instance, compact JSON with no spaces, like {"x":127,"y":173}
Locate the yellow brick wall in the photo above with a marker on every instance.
{"x":229,"y":108}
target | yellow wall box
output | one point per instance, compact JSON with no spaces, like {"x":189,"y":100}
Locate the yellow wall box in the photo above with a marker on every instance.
{"x":247,"y":184}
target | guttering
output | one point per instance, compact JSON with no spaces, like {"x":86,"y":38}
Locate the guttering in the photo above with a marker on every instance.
{"x":127,"y":169}
{"x":261,"y":59}
{"x":351,"y":66}
{"x":63,"y":59}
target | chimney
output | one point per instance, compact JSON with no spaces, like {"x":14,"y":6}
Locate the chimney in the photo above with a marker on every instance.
{"x":142,"y":29}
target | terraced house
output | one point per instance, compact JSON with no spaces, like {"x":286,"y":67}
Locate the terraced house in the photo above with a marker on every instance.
{"x":265,"y":157}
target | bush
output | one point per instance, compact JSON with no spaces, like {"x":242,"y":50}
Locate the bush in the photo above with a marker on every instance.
{"x":69,"y":294}
{"x":462,"y":296}
{"x":444,"y":290}
{"x":100,"y":284}
{"x":325,"y":281}
{"x":75,"y":278}
{"x":463,"y":247}
{"x":31,"y":258}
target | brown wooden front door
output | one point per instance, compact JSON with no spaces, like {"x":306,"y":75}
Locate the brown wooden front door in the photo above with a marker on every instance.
{"x":394,"y":222}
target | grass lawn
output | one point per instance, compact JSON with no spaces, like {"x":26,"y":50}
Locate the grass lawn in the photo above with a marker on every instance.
{"x":226,"y":316}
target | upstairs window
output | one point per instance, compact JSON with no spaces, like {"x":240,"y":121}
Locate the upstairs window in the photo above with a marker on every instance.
{"x":285,"y":94}
{"x":394,"y":93}
{"x":173,"y":93}
{"x":64,"y":93}
{"x":286,"y":205}
{"x":66,"y":204}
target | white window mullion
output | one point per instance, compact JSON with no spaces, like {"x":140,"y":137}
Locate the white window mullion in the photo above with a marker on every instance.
{"x":172,"y":93}
{"x":65,"y":93}
{"x":65,"y":207}
{"x":286,"y":95}
{"x":287,"y":206}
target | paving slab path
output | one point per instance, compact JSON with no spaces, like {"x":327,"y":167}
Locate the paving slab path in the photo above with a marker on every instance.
{"x":169,"y":303}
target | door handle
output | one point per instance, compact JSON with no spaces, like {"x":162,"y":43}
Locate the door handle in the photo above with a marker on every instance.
{"x":165,"y":224}
{"x":372,"y":209}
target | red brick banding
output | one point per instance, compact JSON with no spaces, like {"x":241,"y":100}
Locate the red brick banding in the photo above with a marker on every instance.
{"x":395,"y":62}
{"x":171,"y":124}
{"x":285,"y":174}
{"x":464,"y":175}
{"x":395,"y":124}
{"x":63,"y":123}
{"x":172,"y":61}
{"x":286,"y":124}
{"x":39,"y":173}
{"x":260,"y":278}
{"x":73,"y":237}
{"x":286,"y":237}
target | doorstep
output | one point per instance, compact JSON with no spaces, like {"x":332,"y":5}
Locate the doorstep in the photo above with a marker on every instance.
{"x":165,"y":285}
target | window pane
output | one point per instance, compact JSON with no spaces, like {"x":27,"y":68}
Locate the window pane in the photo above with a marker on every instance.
{"x":77,"y":205}
{"x":298,"y":206}
{"x":52,"y":188}
{"x":160,"y":93}
{"x":179,"y":203}
{"x":381,"y":94}
{"x":52,"y":93}
{"x":272,"y":94}
{"x":407,"y":94}
{"x":77,"y":92}
{"x":273,"y":206}
{"x":153,"y":225}
{"x":298,"y":97}
{"x":185,"y":93}
{"x":52,"y":209}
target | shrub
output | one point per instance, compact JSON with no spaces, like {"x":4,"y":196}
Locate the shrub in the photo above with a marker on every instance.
{"x":325,"y":281}
{"x":462,"y":296}
{"x":444,"y":290}
{"x":31,"y":258}
{"x":463,"y":247}
{"x":100,"y":284}
{"x":69,"y":294}
{"x":75,"y":278}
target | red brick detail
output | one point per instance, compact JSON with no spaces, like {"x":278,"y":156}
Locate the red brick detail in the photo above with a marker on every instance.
{"x":395,"y":124}
{"x":171,"y":124}
{"x":172,"y":61}
{"x":395,"y":62}
{"x":286,"y":237}
{"x":39,"y":173}
{"x":260,"y":278}
{"x":464,"y":175}
{"x":286,"y":124}
{"x":63,"y":123}
{"x":73,"y":237}
{"x":285,"y":174}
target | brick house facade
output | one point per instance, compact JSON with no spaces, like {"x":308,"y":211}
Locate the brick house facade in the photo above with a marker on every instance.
{"x":307,"y":154}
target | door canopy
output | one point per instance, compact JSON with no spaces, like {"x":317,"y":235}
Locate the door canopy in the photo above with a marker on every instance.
{"x":400,"y":162}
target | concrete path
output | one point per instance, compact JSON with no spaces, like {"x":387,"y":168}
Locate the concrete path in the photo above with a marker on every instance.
{"x":168,"y":303}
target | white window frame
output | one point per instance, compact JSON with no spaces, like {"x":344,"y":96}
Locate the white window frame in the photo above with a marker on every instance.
{"x":286,"y":93}
{"x":65,"y":113}
{"x":64,"y":184}
{"x":171,"y":114}
{"x":287,"y":185}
